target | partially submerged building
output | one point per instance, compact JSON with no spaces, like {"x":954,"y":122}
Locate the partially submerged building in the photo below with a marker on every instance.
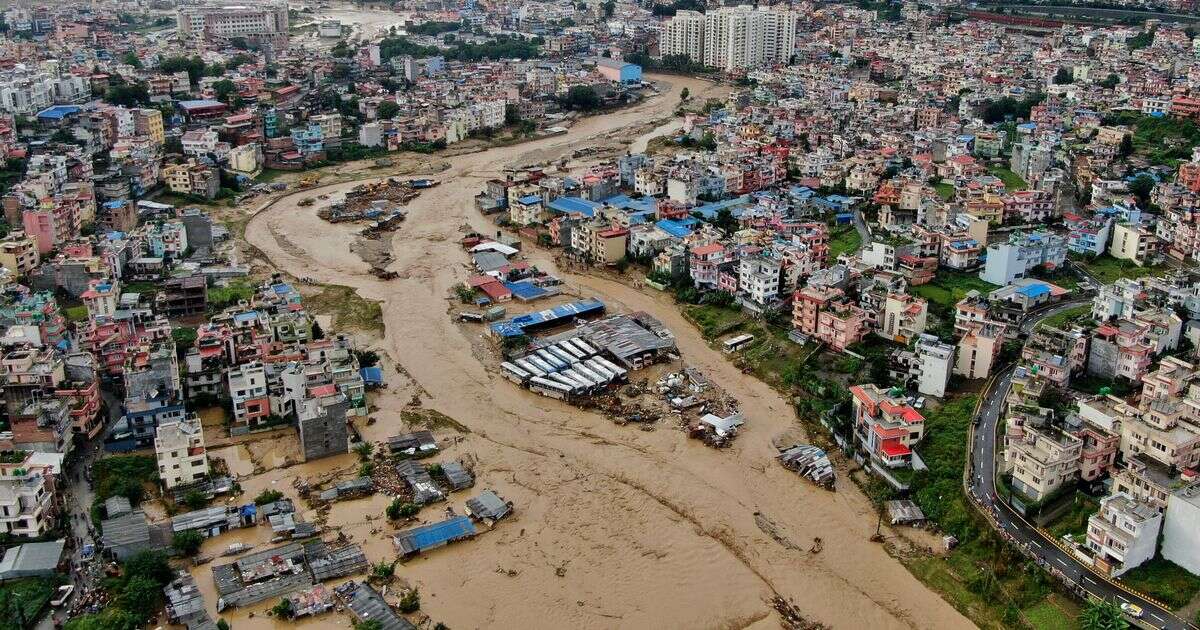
{"x":424,"y":489}
{"x":413,"y":541}
{"x":489,"y":507}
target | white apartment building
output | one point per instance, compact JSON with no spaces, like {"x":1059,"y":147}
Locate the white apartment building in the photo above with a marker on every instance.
{"x":1181,"y":537}
{"x":1123,"y":534}
{"x":1014,"y":258}
{"x":758,"y":279}
{"x":746,"y":37}
{"x":683,"y":35}
{"x":179,"y":447}
{"x":199,"y":143}
{"x":248,"y":390}
{"x":927,"y":365}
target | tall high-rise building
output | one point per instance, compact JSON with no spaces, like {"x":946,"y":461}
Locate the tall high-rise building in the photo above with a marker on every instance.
{"x":747,"y":37}
{"x":683,"y":35}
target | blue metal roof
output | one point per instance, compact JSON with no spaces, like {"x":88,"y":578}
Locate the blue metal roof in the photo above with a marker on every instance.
{"x":561,"y":313}
{"x":371,"y":375}
{"x":427,"y":536}
{"x":1034,"y":289}
{"x":710,"y":210}
{"x":525,"y":290}
{"x":674,"y":228}
{"x":58,"y":112}
{"x":530,"y":199}
{"x":574,"y":205}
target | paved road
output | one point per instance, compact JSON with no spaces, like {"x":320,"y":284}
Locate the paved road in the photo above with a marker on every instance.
{"x":863,"y":232}
{"x":78,"y":496}
{"x":1032,"y":541}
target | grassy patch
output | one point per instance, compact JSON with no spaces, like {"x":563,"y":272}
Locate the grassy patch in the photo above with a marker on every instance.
{"x":75,"y":313}
{"x":846,"y":240}
{"x":948,"y":288}
{"x":1053,"y":613}
{"x":31,"y":595}
{"x":348,"y":309}
{"x":1011,"y":180}
{"x":938,"y":574}
{"x":139,"y":287}
{"x":714,"y":321}
{"x":1075,"y":520}
{"x":1068,"y":317}
{"x":1165,"y":581}
{"x":945,"y":190}
{"x":1108,"y":269}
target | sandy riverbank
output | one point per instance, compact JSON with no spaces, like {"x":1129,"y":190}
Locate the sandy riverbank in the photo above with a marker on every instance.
{"x":653,"y":530}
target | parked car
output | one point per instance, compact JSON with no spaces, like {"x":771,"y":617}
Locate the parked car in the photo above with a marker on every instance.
{"x":62,"y":595}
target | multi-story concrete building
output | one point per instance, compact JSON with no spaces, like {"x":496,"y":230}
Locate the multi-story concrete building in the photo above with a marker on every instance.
{"x":1181,"y":537}
{"x":885,"y":426}
{"x":683,"y":35}
{"x":248,"y":389}
{"x":1123,"y":534}
{"x":903,"y":317}
{"x":978,"y":349}
{"x":744,"y":37}
{"x":927,"y":365}
{"x":1041,"y":460}
{"x":27,"y":487}
{"x":266,"y":23}
{"x":179,"y":449}
{"x":1022,"y":253}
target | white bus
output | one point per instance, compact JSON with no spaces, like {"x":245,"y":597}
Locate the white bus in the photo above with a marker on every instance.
{"x":738,"y":342}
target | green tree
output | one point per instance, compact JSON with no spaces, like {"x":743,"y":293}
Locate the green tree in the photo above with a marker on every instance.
{"x":268,"y":496}
{"x":131,"y":58}
{"x":187,"y":542}
{"x":184,"y":338}
{"x":388,"y":110}
{"x":141,"y":596}
{"x":194,"y":66}
{"x":222,"y":624}
{"x":609,"y":7}
{"x":410,"y":602}
{"x":224,"y":89}
{"x":195,"y":500}
{"x":1141,"y":187}
{"x":1063,"y":77}
{"x":1102,"y":615}
{"x":283,"y":609}
{"x":128,"y":95}
{"x":683,"y":94}
{"x":582,"y":98}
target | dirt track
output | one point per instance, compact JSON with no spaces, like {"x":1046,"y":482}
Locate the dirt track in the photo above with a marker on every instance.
{"x":653,"y":530}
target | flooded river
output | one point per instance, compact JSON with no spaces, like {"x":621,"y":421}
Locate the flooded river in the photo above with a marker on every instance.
{"x":614,"y":527}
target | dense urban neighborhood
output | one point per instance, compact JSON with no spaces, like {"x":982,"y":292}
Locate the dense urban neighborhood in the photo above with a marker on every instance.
{"x":600,"y":313}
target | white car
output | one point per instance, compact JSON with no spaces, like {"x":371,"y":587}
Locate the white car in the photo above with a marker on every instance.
{"x":1133,"y":610}
{"x":62,"y":595}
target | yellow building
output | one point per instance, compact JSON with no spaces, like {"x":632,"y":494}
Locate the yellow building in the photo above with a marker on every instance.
{"x":19,"y":254}
{"x":1134,"y":243}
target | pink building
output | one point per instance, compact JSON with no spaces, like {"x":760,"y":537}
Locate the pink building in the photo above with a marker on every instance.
{"x":885,"y":426}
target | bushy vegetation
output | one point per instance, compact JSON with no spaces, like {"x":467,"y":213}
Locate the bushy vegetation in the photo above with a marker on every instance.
{"x":1165,"y":581}
{"x":502,"y":47}
{"x":187,"y":542}
{"x":1006,"y":107}
{"x":1161,"y":141}
{"x":268,"y":496}
{"x":22,"y":600}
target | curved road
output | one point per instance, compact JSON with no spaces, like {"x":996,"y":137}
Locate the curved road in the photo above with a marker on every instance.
{"x":1032,"y":541}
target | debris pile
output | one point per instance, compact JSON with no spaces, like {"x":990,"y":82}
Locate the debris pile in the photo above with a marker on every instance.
{"x":790,"y":617}
{"x":376,"y":201}
{"x":810,"y":462}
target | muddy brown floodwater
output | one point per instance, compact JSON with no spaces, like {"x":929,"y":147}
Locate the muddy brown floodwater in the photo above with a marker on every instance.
{"x":650,"y":529}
